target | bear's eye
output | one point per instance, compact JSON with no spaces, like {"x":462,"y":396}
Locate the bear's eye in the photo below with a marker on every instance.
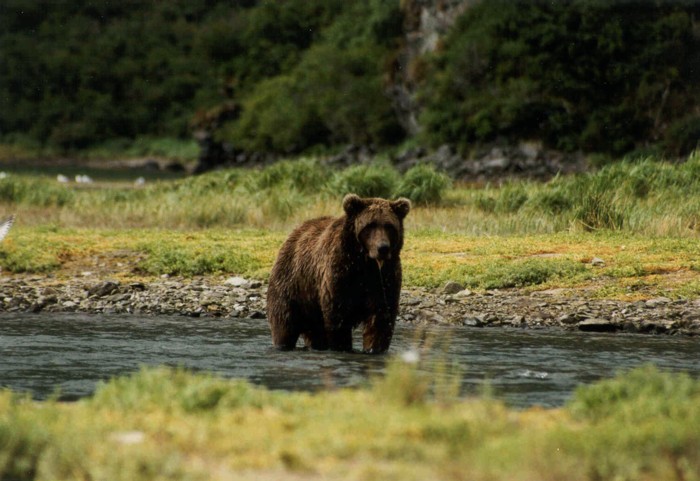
{"x":389,"y":227}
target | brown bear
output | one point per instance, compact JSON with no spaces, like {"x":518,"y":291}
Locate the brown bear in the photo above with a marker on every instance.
{"x":335,"y":274}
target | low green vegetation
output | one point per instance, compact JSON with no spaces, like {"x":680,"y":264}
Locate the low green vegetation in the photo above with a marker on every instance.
{"x":172,"y":424}
{"x":639,"y":217}
{"x":634,"y":266}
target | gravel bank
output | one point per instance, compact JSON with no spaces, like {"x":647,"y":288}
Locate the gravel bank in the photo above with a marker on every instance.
{"x":451,"y":305}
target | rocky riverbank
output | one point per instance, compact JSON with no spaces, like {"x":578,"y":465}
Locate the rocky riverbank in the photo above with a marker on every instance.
{"x":449,"y":305}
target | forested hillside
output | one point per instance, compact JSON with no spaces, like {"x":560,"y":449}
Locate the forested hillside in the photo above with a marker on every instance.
{"x":289,"y":76}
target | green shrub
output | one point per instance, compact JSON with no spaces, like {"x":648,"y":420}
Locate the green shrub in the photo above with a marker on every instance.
{"x":22,"y":444}
{"x":600,"y":210}
{"x":306,"y":175}
{"x":278,"y":116}
{"x":334,"y":96}
{"x":507,"y":199}
{"x":553,"y":200}
{"x":18,"y":259}
{"x":372,"y":180}
{"x":423,"y":184}
{"x":147,"y":68}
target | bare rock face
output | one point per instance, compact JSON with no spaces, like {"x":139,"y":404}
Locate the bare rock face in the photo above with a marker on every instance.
{"x":425,"y":22}
{"x":523,"y":160}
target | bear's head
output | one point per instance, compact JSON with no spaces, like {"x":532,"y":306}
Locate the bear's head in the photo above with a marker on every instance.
{"x":377,"y":225}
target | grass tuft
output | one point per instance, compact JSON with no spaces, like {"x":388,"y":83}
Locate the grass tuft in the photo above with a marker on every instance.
{"x":636,"y":396}
{"x":176,"y":390}
{"x":371,"y":180}
{"x":423,"y":185}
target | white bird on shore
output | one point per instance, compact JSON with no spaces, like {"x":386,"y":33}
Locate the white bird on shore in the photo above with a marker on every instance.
{"x":62,"y":179}
{"x":83,"y":179}
{"x":5,"y":225}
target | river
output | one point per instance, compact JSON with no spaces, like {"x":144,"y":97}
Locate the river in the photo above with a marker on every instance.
{"x":41,"y":353}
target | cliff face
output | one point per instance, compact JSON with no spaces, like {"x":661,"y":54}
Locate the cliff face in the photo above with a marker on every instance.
{"x":425,"y":22}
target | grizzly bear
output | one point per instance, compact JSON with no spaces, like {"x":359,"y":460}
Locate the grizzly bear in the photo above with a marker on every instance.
{"x":335,"y":274}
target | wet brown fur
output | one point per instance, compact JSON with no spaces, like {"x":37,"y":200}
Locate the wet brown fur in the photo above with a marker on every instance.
{"x":335,"y":274}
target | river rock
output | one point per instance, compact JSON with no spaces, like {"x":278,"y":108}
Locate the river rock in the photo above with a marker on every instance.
{"x":568,"y":318}
{"x":659,"y":301}
{"x":657,"y":326}
{"x":452,"y":287}
{"x":597,"y":325}
{"x":432,"y":317}
{"x":236,"y":282}
{"x":103,"y":289}
{"x":472,"y":322}
{"x":515,"y":320}
{"x":463,"y":293}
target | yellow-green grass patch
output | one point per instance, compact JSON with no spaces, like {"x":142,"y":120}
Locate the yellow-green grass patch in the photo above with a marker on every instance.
{"x":633,"y":265}
{"x":171,"y":424}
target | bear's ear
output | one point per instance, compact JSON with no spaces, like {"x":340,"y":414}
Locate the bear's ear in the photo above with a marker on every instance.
{"x":353,"y":205}
{"x":401,"y":207}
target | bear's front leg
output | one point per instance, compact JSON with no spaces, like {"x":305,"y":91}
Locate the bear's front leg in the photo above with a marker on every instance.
{"x":377,"y":334}
{"x":338,"y":331}
{"x":340,"y":339}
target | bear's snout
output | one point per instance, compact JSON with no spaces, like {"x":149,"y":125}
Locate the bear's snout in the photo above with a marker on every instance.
{"x":378,"y":245}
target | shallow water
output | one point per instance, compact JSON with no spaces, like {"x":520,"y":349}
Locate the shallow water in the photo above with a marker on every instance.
{"x":72,"y":352}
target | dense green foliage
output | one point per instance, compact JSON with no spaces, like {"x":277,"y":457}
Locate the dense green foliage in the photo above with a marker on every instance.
{"x":334,"y":95}
{"x":300,"y":75}
{"x":585,"y":74}
{"x":77,"y":73}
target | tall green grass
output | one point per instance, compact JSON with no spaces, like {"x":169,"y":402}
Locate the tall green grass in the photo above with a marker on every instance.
{"x":645,"y":196}
{"x":282,"y":192}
